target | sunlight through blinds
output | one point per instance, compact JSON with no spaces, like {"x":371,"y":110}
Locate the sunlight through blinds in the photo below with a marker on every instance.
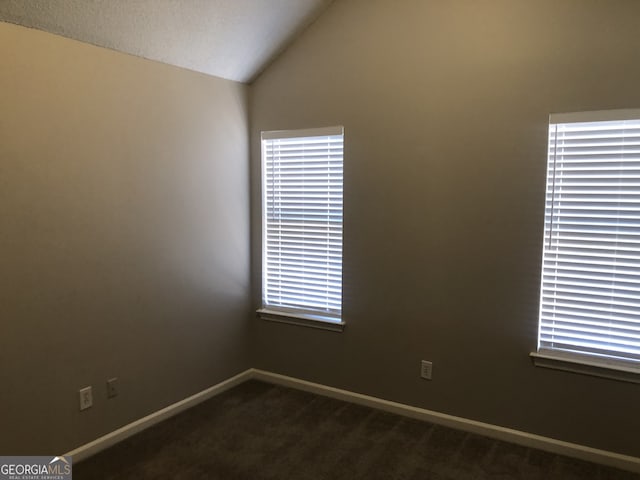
{"x":302,"y":220}
{"x":590,"y":295}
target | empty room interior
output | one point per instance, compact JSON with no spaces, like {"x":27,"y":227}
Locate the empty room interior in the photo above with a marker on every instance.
{"x":136,"y":226}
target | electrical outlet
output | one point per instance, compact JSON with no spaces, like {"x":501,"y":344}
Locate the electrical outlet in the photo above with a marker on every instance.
{"x":86,"y":398}
{"x":426,"y":369}
{"x":112,"y":387}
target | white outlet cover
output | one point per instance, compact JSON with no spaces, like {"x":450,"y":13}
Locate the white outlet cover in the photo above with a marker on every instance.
{"x":86,"y":398}
{"x":112,"y":387}
{"x":426,"y":369}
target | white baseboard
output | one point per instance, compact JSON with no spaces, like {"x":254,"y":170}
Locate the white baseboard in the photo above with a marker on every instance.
{"x":122,"y":433}
{"x":560,"y":447}
{"x":552,"y":445}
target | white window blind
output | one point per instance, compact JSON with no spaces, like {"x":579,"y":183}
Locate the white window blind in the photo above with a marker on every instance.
{"x":590,"y":294}
{"x":302,"y":179}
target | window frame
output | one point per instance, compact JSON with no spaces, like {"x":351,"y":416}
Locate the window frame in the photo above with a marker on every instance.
{"x":296,"y":315}
{"x":607,"y":366}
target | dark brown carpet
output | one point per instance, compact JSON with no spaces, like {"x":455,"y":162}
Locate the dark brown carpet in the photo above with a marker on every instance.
{"x":260,"y":431}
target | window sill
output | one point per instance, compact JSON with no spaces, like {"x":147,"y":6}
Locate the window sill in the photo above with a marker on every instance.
{"x":586,"y":366}
{"x":303,"y":320}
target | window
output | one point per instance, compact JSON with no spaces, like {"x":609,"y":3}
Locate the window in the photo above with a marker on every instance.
{"x":590,"y":291}
{"x":302,"y":227}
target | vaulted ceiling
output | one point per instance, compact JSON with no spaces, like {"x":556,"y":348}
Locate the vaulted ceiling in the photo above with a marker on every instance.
{"x":233,"y":39}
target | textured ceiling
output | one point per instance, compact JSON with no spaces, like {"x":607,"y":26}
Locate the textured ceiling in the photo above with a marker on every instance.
{"x":233,"y":39}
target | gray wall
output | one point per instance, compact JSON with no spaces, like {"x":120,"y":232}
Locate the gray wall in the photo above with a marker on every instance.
{"x":124,"y":237}
{"x":445,"y":106}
